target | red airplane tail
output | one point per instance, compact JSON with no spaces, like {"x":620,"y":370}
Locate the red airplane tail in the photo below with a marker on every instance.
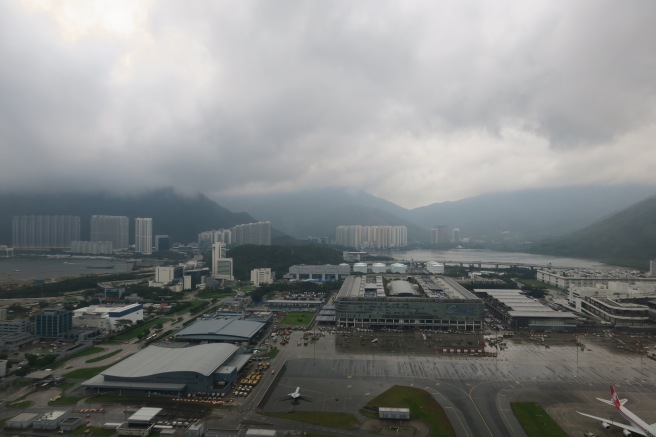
{"x":614,"y":398}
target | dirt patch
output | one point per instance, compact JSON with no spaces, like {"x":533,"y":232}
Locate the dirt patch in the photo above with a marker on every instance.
{"x":40,"y":398}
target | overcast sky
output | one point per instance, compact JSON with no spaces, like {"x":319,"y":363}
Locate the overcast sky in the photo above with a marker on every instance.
{"x":415,"y":102}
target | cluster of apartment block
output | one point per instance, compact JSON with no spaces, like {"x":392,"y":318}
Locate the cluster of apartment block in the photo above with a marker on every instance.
{"x":258,"y":233}
{"x":108,"y":233}
{"x":371,"y":237}
{"x":443,"y":234}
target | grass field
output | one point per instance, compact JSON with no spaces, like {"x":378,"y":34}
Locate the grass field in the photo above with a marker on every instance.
{"x":90,"y":351}
{"x":134,"y":333}
{"x":64,"y":400}
{"x":96,"y":432}
{"x":533,"y":283}
{"x":423,"y":408}
{"x":296,"y":319}
{"x":210,"y":294}
{"x":103,"y":357}
{"x":535,"y":421}
{"x":84,"y":374}
{"x":319,"y":418}
{"x":20,"y":404}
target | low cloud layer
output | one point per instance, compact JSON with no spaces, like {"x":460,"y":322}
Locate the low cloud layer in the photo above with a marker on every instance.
{"x":413,"y":102}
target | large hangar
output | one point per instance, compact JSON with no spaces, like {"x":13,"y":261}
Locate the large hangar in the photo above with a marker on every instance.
{"x":363,"y":301}
{"x":212,"y":368}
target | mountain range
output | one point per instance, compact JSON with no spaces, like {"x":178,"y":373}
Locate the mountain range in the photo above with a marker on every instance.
{"x":524,"y":215}
{"x":611,"y":224}
{"x":627,"y":238}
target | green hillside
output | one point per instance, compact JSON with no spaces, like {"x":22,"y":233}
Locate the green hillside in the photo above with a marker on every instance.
{"x":627,"y":238}
{"x":279,"y":258}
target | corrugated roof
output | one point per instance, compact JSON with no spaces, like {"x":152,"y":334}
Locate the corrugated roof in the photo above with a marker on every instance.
{"x":203,"y":359}
{"x":542,"y":314}
{"x":144,"y":415}
{"x":222,"y":327}
{"x":23,"y":417}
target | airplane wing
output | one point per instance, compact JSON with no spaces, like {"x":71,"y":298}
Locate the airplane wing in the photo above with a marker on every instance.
{"x":633,"y":429}
{"x":294,"y":399}
{"x":611,"y":403}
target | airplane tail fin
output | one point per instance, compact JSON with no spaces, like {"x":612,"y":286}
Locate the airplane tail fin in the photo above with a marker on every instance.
{"x":615,"y":399}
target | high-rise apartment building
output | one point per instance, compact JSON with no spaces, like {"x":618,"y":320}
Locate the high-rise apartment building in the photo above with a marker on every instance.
{"x":442,"y":234}
{"x":92,"y":247}
{"x":373,"y":237}
{"x":207,"y":238}
{"x":114,"y":228}
{"x":252,"y":233}
{"x":45,"y":231}
{"x":143,"y":235}
{"x":457,"y":237}
{"x":221,"y":266}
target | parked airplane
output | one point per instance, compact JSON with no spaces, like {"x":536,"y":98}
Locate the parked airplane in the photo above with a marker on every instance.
{"x":637,"y":427}
{"x":296,"y":396}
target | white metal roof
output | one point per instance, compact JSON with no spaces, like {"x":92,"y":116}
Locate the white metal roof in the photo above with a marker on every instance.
{"x":144,"y":415}
{"x":203,"y":359}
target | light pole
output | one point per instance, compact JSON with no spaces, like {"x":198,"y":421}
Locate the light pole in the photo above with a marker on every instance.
{"x":576,"y":344}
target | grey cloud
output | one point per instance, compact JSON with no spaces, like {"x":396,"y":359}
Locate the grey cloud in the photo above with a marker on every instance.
{"x":220,"y":95}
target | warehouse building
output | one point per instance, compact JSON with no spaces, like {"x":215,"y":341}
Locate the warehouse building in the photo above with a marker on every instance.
{"x":321,"y":273}
{"x":21,"y":421}
{"x":619,"y":314}
{"x":49,"y":421}
{"x":385,"y":413}
{"x":141,"y":423}
{"x":522,"y":312}
{"x":207,"y":368}
{"x":222,"y":330}
{"x":363,"y":301}
{"x":107,"y":318}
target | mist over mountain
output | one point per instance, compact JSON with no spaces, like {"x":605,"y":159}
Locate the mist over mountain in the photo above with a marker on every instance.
{"x":627,"y":238}
{"x":532,"y":214}
{"x":527,"y":214}
{"x":318,"y":212}
{"x":179,"y":216}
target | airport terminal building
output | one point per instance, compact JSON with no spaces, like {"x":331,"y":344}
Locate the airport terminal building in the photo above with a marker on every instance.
{"x":364,"y":301}
{"x":205,"y":368}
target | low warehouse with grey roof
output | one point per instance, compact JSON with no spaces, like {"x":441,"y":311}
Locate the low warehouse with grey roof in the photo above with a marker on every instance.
{"x":226,"y":330}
